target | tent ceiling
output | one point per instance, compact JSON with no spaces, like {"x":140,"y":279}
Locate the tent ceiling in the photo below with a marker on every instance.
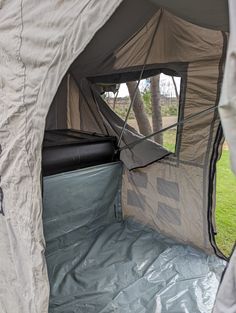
{"x":206,"y":13}
{"x":130,"y":17}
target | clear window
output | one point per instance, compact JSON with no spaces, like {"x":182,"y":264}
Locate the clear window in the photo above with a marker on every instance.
{"x":155,"y":107}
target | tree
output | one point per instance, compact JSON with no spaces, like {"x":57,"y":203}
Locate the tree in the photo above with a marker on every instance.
{"x":175,"y":87}
{"x":139,"y":110}
{"x":156,"y":108}
{"x":141,"y":116}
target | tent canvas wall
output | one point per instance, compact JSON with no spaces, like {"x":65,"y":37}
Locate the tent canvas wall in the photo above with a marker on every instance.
{"x":36,"y":53}
{"x":174,"y":195}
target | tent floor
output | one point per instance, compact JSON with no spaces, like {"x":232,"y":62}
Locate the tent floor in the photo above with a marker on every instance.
{"x":125,"y":267}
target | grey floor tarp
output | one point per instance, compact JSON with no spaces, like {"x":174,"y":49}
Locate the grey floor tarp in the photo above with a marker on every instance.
{"x":100,"y":264}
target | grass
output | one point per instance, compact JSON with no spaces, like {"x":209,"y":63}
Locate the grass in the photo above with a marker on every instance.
{"x":169,"y":140}
{"x":225,"y":205}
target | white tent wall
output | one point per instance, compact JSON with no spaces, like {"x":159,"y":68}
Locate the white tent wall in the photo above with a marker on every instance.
{"x":38,"y":42}
{"x":227,"y":105}
{"x":225,"y":299}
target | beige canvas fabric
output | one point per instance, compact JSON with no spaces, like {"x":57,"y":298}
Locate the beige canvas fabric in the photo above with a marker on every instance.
{"x":175,"y":41}
{"x":186,"y":175}
{"x":170,"y":195}
{"x":227,"y":107}
{"x":58,"y":113}
{"x":209,"y":14}
{"x":226,"y":297}
{"x":169,"y":199}
{"x":73,"y":113}
{"x":174,"y":195}
{"x":38,"y":42}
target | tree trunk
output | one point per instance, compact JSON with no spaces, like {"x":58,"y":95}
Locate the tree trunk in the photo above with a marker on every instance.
{"x":176,"y":91}
{"x":156,"y":108}
{"x":139,"y":110}
{"x":114,"y":101}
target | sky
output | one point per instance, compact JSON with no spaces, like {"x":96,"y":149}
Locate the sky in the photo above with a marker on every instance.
{"x":166,"y":85}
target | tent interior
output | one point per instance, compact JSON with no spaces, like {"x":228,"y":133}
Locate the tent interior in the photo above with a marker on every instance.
{"x":129,"y":225}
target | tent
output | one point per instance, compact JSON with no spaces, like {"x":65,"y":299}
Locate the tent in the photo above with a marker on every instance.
{"x":54,"y":57}
{"x":225,"y":300}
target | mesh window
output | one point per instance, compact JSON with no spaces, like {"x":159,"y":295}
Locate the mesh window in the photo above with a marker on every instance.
{"x":156,"y":106}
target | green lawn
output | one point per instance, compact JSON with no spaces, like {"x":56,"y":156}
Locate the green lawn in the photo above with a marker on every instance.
{"x":169,"y":138}
{"x":225,"y":204}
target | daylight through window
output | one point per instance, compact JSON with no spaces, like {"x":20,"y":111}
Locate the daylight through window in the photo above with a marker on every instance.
{"x":155,"y":107}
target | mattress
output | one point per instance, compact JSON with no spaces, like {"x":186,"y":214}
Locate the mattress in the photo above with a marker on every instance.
{"x":67,"y":150}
